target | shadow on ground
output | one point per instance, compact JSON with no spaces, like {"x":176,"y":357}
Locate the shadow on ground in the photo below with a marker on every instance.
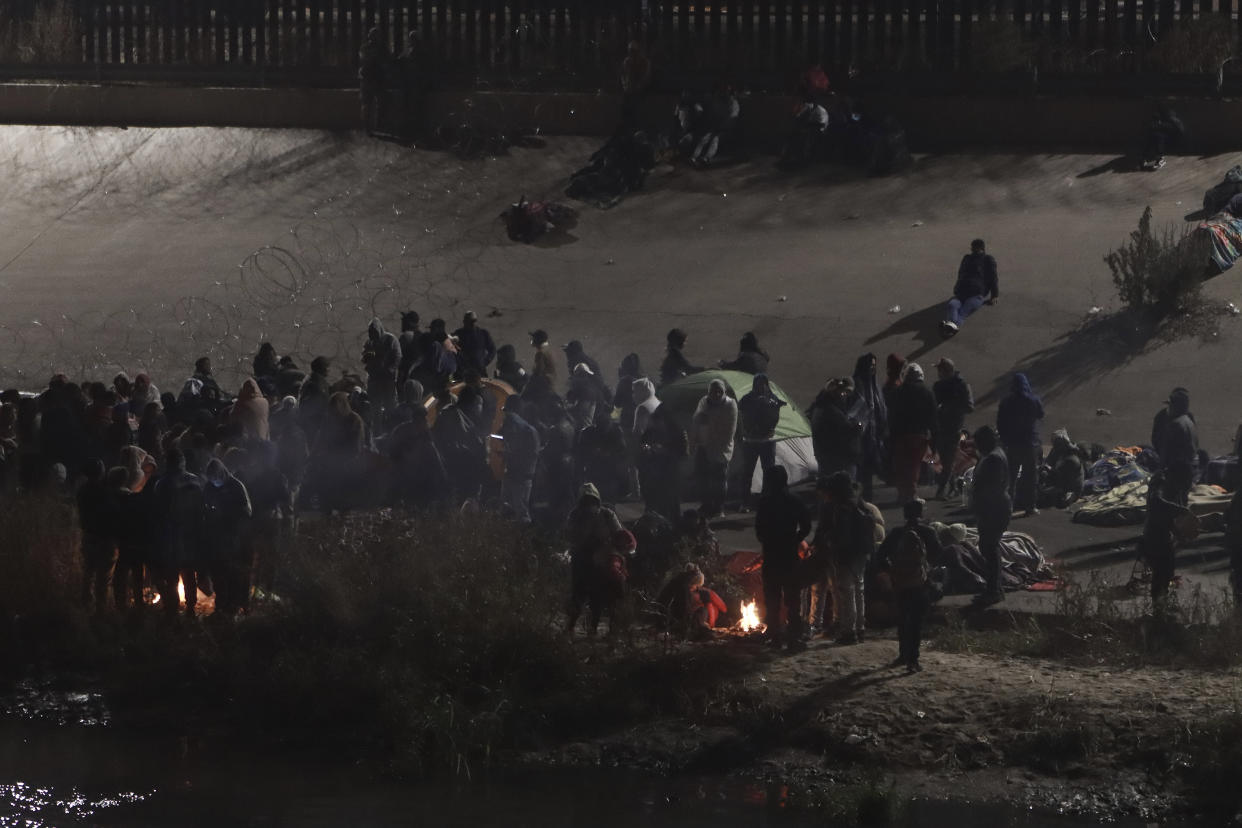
{"x":923,"y":324}
{"x":1101,"y":345}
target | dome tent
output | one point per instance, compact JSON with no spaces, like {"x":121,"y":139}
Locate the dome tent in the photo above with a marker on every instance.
{"x":793,"y":432}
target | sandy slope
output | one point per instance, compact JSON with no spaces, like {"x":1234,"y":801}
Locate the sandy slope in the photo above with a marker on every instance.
{"x":144,"y":248}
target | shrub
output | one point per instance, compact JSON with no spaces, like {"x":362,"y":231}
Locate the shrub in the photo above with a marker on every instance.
{"x":1160,"y":273}
{"x":1198,"y":45}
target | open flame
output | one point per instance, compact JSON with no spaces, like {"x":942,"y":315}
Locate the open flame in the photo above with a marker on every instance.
{"x":749,"y":622}
{"x":180,"y":594}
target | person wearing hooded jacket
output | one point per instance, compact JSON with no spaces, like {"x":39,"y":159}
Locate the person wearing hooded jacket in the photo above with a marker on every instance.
{"x":912,"y":427}
{"x":781,"y":523}
{"x":662,"y":445}
{"x":874,"y":417}
{"x":227,"y":509}
{"x":1017,"y":424}
{"x":675,"y":365}
{"x":474,"y":345}
{"x":591,"y":528}
{"x":954,"y":400}
{"x":1175,"y":437}
{"x":836,"y":430}
{"x":382,"y":358}
{"x":250,"y":411}
{"x":715,"y":424}
{"x":751,"y":359}
{"x":993,"y":507}
{"x":760,"y":413}
{"x":178,"y":506}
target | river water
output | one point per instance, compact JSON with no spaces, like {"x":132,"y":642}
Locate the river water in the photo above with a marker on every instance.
{"x":63,"y":764}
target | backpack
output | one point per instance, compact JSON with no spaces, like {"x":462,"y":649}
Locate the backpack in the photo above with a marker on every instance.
{"x":908,"y":563}
{"x":862,"y":534}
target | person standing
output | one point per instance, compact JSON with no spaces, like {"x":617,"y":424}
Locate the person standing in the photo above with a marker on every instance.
{"x":521,"y":459}
{"x":906,"y":553}
{"x":1175,"y":437}
{"x":781,"y":523}
{"x":96,"y":519}
{"x":227,"y":510}
{"x":544,"y":367}
{"x":179,"y":507}
{"x":372,"y":65}
{"x":760,"y":413}
{"x":847,"y":530}
{"x":1017,"y":423}
{"x":993,"y":508}
{"x":663,"y":444}
{"x":977,"y":285}
{"x":954,"y":401}
{"x":836,"y":432}
{"x":591,"y":530}
{"x":382,"y":358}
{"x":475,"y":348}
{"x":873,"y":413}
{"x":715,"y":423}
{"x":912,"y":428}
{"x":635,"y":79}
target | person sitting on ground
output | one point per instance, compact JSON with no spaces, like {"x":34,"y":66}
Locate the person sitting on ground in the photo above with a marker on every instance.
{"x":808,"y":136}
{"x":907,"y":553}
{"x":687,"y":122}
{"x":1164,"y":131}
{"x":976,"y":286}
{"x":723,"y":112}
{"x":1061,"y":477}
{"x":751,"y":359}
{"x":693,"y":609}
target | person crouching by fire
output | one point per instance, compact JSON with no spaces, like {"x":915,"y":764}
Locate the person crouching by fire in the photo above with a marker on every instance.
{"x":693,"y":609}
{"x":592,"y":529}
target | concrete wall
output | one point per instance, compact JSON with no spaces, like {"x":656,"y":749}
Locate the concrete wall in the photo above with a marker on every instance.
{"x":932,"y":122}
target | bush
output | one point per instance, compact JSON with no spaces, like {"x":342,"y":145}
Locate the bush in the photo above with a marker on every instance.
{"x":1159,"y":273}
{"x":1199,"y":45}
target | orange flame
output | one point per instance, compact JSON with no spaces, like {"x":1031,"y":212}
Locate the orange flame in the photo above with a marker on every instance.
{"x":749,"y":621}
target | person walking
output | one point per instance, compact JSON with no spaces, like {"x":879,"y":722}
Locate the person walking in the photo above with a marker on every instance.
{"x":993,"y":507}
{"x":954,"y":401}
{"x":1017,"y":423}
{"x":781,"y":523}
{"x":977,"y":285}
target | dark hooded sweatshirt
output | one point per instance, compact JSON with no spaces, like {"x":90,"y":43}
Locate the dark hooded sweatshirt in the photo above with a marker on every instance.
{"x":1017,"y":418}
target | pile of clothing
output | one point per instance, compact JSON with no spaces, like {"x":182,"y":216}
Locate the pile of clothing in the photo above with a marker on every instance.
{"x":619,"y":167}
{"x":1126,"y":505}
{"x":1120,"y":466}
{"x":1022,"y":561}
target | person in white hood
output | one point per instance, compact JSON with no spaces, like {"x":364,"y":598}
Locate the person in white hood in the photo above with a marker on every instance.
{"x":715,"y":423}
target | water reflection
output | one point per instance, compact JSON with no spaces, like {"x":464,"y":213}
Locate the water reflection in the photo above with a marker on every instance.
{"x":54,"y":776}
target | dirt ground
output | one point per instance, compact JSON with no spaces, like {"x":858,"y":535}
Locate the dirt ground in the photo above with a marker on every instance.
{"x":1098,"y":741}
{"x":143,"y":249}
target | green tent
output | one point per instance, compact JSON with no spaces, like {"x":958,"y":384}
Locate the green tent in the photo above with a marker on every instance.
{"x":793,"y":432}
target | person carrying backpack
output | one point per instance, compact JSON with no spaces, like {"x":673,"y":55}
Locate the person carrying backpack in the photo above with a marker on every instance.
{"x":906,"y":554}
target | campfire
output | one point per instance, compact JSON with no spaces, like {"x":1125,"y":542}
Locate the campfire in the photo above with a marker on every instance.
{"x":749,"y":622}
{"x":180,"y":594}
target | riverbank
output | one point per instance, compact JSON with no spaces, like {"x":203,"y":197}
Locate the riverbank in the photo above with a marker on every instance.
{"x":428,"y":647}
